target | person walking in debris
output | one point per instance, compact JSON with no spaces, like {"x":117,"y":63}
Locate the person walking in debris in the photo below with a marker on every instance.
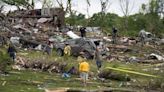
{"x":80,"y":57}
{"x":114,"y":35}
{"x":84,"y":68}
{"x":67,"y":50}
{"x":12,"y":52}
{"x":97,"y":58}
{"x":142,"y":36}
{"x":48,"y":49}
{"x":83,"y":31}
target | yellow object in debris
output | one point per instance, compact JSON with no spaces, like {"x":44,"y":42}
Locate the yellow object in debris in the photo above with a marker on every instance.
{"x":132,"y":72}
{"x":45,"y":28}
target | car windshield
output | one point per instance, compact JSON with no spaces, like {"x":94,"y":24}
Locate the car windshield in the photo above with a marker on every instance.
{"x":88,"y":46}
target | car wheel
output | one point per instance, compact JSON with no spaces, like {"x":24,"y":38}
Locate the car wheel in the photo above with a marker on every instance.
{"x":87,"y":55}
{"x":60,"y":52}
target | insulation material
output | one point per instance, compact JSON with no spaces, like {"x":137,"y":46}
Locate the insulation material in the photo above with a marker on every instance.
{"x":72,"y":35}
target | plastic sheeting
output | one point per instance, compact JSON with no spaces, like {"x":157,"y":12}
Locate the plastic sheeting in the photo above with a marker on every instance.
{"x":42,"y":20}
{"x":72,"y":35}
{"x":18,"y":26}
{"x":15,"y":40}
{"x":157,"y":56}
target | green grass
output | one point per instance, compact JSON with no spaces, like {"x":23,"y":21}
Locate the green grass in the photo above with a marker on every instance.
{"x":31,"y":81}
{"x":21,"y":81}
{"x":37,"y":81}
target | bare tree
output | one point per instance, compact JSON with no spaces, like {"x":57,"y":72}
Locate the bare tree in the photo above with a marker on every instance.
{"x":143,"y":9}
{"x":87,"y":9}
{"x":67,"y":7}
{"x":1,"y":8}
{"x":47,"y":4}
{"x":126,"y":9}
{"x":105,"y":4}
{"x":161,"y":7}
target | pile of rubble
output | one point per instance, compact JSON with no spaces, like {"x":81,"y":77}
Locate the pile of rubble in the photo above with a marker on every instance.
{"x":34,"y":29}
{"x":31,"y":27}
{"x":40,"y":64}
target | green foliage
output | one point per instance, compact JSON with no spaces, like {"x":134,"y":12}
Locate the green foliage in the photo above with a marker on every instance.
{"x":148,"y":19}
{"x":76,"y":19}
{"x":109,"y":20}
{"x":47,"y":4}
{"x":157,"y":83}
{"x":15,"y":2}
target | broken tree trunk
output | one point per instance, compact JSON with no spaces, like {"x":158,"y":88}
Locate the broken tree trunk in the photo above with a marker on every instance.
{"x":108,"y":74}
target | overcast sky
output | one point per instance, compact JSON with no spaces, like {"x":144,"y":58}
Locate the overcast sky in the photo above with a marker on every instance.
{"x":81,"y":6}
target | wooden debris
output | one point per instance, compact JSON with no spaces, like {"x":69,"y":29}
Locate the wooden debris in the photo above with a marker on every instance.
{"x":96,"y":90}
{"x":3,"y":84}
{"x":107,"y":74}
{"x":57,"y":90}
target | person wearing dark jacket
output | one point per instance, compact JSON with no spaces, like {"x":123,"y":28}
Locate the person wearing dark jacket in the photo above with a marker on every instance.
{"x":83,"y":32}
{"x":12,"y":52}
{"x":114,"y":35}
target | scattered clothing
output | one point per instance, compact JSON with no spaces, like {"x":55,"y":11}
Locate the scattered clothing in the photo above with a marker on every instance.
{"x":65,"y":75}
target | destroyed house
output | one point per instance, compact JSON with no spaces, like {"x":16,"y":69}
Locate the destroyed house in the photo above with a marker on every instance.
{"x":32,"y":16}
{"x":34,"y":27}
